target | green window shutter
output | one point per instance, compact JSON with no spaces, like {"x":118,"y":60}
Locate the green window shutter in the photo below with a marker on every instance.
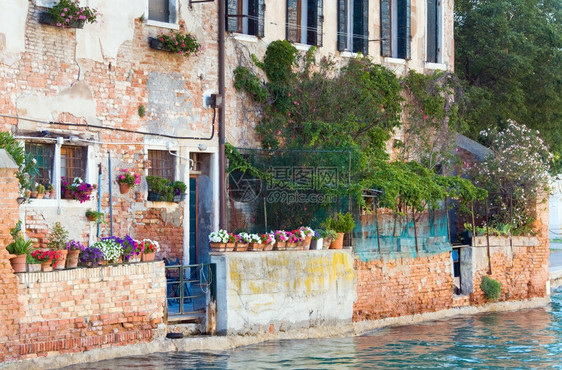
{"x":342,"y":25}
{"x":408,"y":28}
{"x":403,"y":43}
{"x":385,"y":28}
{"x":292,"y":16}
{"x":314,"y":17}
{"x":232,"y":22}
{"x":432,"y":30}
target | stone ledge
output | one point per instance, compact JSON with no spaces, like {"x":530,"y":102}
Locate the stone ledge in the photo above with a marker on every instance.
{"x":102,"y":272}
{"x":503,"y":241}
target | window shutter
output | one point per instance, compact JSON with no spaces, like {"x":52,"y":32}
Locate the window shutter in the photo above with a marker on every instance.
{"x":319,"y":22}
{"x":260,"y":13}
{"x":342,"y":25}
{"x":292,"y":19}
{"x":365,"y":24}
{"x":232,"y":9}
{"x":385,"y":28}
{"x":431,"y":31}
{"x":403,"y":39}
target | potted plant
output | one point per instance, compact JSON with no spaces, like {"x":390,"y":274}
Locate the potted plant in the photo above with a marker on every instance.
{"x":317,"y":239}
{"x":268,"y":240}
{"x":51,"y":191}
{"x":33,"y":263}
{"x":308,"y":235}
{"x":111,"y":248}
{"x":255,"y":243}
{"x":77,"y":189}
{"x":68,"y":14}
{"x":74,"y":249}
{"x":157,"y":188}
{"x":56,"y":241}
{"x":176,"y":42}
{"x":127,"y":180}
{"x":231,"y":243}
{"x":242,"y":242}
{"x":179,"y":189}
{"x":281,"y":238}
{"x":149,"y":249}
{"x":40,"y":191}
{"x":19,"y":248}
{"x":218,"y":240}
{"x":341,"y":223}
{"x":33,"y":190}
{"x":131,"y":249}
{"x":295,"y":238}
{"x":94,"y":216}
{"x":45,"y":257}
{"x":91,"y":257}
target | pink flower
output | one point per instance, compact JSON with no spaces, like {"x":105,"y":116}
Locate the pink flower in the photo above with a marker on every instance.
{"x":183,"y":45}
{"x":62,"y":14}
{"x":425,"y":116}
{"x":161,"y":39}
{"x":65,"y":9}
{"x":289,"y":95}
{"x":278,"y":132}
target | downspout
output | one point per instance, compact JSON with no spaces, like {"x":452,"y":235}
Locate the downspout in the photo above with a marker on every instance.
{"x":221,"y":123}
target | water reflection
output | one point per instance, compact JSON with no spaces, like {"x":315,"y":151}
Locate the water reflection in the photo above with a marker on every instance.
{"x":528,"y":338}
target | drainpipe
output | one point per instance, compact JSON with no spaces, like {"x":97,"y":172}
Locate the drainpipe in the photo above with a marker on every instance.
{"x":57,"y":173}
{"x":221,"y":123}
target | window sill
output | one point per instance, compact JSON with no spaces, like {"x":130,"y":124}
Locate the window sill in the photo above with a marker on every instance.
{"x":54,"y":203}
{"x":431,"y":65}
{"x":302,"y":47}
{"x":348,"y":54}
{"x":172,"y":26}
{"x":395,"y":60}
{"x":244,"y":37}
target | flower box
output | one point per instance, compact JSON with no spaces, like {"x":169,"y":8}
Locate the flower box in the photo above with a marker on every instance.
{"x":46,"y":18}
{"x":179,"y":198}
{"x":157,"y":44}
{"x":154,"y":196}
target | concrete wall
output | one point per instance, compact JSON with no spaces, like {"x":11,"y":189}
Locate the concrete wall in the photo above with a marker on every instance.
{"x":283,"y":290}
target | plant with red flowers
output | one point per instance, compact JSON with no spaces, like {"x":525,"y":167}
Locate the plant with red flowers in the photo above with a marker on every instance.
{"x":67,"y":13}
{"x":46,"y":255}
{"x":184,"y":44}
{"x":150,"y":246}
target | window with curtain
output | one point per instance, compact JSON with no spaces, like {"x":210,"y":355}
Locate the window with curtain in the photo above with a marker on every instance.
{"x":304,"y":21}
{"x":245,"y":16}
{"x":395,"y":28}
{"x":353,"y":26}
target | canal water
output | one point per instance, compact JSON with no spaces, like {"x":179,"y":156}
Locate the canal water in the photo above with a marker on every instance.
{"x":521,"y":339}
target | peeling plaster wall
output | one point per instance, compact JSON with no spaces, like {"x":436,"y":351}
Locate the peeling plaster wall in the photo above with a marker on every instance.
{"x":258,"y":292}
{"x":12,"y":30}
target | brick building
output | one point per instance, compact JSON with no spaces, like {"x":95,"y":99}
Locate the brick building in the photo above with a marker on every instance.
{"x":91,"y":101}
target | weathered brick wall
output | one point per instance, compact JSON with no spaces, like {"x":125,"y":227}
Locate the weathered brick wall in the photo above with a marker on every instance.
{"x":82,"y":309}
{"x":403,"y":286}
{"x":9,"y":304}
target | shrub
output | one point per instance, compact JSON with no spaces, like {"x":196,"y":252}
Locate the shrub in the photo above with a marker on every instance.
{"x":58,"y":237}
{"x":491,"y":288}
{"x":340,"y":223}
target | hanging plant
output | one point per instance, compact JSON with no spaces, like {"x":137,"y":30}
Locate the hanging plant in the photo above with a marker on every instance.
{"x":176,"y":42}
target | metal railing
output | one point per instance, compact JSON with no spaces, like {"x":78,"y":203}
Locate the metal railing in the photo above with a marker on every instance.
{"x":187,"y":287}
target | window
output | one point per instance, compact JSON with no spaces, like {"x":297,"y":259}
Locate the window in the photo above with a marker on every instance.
{"x":304,"y":21}
{"x":353,"y":22}
{"x":162,"y":11}
{"x":395,"y":28}
{"x":162,"y":164}
{"x":72,"y":161}
{"x":433,"y":31}
{"x":245,"y":16}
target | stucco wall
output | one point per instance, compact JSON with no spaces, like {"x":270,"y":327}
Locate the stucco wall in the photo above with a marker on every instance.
{"x":282,"y":290}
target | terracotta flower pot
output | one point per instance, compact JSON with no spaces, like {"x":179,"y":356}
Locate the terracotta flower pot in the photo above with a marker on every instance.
{"x":68,"y":194}
{"x":255,"y":247}
{"x":229,"y":247}
{"x":124,"y":188}
{"x":291,"y":246}
{"x":241,"y":247}
{"x":33,"y":267}
{"x":280,"y":246}
{"x":18,"y":263}
{"x":218,"y":247}
{"x":306,"y":243}
{"x":59,"y":263}
{"x":72,"y":258}
{"x":337,"y":243}
{"x":268,"y":247}
{"x":148,"y":257}
{"x":46,"y":266}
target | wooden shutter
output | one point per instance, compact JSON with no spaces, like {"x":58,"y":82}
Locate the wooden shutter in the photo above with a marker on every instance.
{"x":159,"y":10}
{"x":259,"y":6}
{"x":292,"y":21}
{"x":432,"y":31}
{"x":386,"y":40}
{"x":342,"y":24}
{"x":232,"y":9}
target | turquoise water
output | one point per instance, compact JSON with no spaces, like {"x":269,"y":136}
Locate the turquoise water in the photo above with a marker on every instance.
{"x":522,"y":339}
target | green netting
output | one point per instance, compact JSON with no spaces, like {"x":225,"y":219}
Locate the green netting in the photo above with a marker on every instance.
{"x":285,"y":189}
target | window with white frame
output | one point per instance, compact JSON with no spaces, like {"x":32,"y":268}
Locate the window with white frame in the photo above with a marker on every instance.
{"x":433,"y":33}
{"x":304,"y":21}
{"x":73,"y":161}
{"x":164,"y":11}
{"x":353,"y":26}
{"x":246,"y":16}
{"x":395,"y":28}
